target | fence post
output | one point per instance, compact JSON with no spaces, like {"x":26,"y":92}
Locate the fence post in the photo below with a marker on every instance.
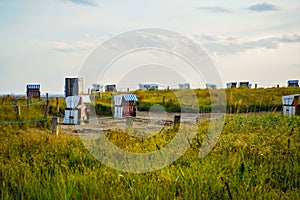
{"x":193,"y":102}
{"x":57,"y":105}
{"x":28,"y":104}
{"x":197,"y":119}
{"x":129,"y":122}
{"x":163,"y":99}
{"x":46,"y":107}
{"x":247,"y":104}
{"x":177,"y":119}
{"x":18,"y":111}
{"x":54,"y":126}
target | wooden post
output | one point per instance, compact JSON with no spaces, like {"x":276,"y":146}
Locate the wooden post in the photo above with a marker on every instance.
{"x":296,"y":104}
{"x":193,"y":102}
{"x":46,"y":107}
{"x":28,"y":104}
{"x":17,"y":108}
{"x":247,"y":104}
{"x":277,"y":85}
{"x":57,"y":105}
{"x":197,"y":119}
{"x":18,"y":111}
{"x":54,"y":126}
{"x":255,"y":85}
{"x":129,"y":122}
{"x":164,"y":99}
{"x":177,"y":119}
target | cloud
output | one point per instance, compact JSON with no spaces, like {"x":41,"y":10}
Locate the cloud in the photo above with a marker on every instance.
{"x":261,"y":7}
{"x":213,"y":37}
{"x":85,"y":2}
{"x":229,"y":45}
{"x":76,"y":46}
{"x":61,"y":46}
{"x":214,"y":9}
{"x":213,"y":43}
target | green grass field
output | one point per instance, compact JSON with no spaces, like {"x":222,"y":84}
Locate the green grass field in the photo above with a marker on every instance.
{"x":238,"y":100}
{"x":257,"y":157}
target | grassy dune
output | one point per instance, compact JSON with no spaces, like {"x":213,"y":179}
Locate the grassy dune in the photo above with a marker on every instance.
{"x":238,"y":100}
{"x":256,"y":157}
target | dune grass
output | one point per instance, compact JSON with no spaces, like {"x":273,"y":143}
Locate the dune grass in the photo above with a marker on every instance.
{"x":238,"y":100}
{"x":256,"y":157}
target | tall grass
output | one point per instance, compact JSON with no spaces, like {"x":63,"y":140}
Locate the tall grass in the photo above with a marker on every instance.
{"x":238,"y":100}
{"x":256,"y":157}
{"x":31,"y":112}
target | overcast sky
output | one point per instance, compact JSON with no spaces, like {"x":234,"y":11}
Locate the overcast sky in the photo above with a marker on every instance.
{"x":45,"y":41}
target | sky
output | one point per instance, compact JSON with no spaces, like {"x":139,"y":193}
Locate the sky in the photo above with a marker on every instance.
{"x":45,"y":41}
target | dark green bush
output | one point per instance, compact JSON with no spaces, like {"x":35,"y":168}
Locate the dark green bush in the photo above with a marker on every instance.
{"x":103,"y":110}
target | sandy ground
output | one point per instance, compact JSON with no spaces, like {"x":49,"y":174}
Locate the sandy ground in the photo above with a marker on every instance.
{"x":145,"y":121}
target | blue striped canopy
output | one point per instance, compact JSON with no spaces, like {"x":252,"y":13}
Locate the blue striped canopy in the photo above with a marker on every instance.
{"x":293,"y":81}
{"x":130,"y":97}
{"x":33,"y":86}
